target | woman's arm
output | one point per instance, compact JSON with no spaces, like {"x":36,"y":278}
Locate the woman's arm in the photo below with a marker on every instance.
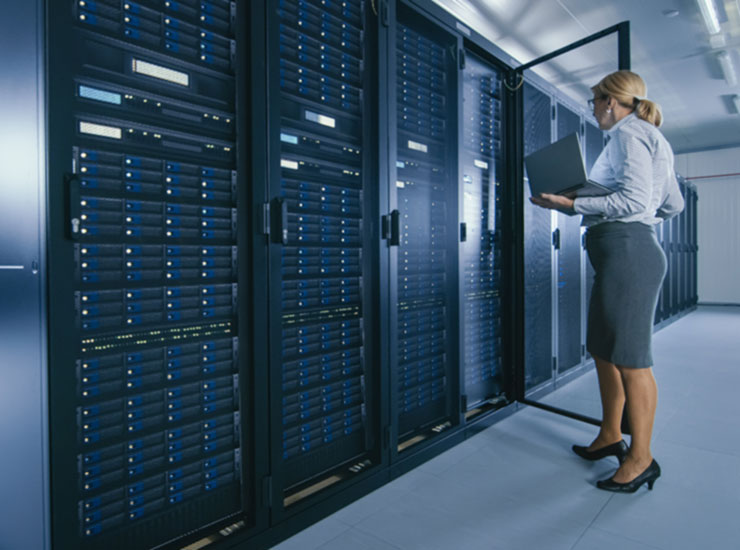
{"x":631,"y":160}
{"x":554,"y":202}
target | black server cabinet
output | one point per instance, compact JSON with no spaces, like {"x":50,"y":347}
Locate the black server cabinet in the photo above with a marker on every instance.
{"x":684,"y":265}
{"x":538,"y":246}
{"x":659,"y":306}
{"x":424,"y":291}
{"x":569,"y":256}
{"x":147,"y":367}
{"x":693,"y":246}
{"x":674,"y":262}
{"x":680,"y":264}
{"x":481,"y":255}
{"x":666,"y":304}
{"x":678,"y":240}
{"x":323,"y":272}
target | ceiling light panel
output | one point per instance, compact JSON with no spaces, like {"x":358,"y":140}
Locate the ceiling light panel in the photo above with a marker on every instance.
{"x":709,"y":13}
{"x":727,"y":66}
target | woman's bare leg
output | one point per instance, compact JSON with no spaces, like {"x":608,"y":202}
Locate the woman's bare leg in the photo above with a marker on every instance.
{"x":612,"y":404}
{"x":642,"y":400}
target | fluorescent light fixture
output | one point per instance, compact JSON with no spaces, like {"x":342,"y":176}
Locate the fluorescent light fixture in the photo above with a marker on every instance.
{"x":709,"y":13}
{"x":728,"y":69}
{"x":736,"y":101}
{"x":464,"y":4}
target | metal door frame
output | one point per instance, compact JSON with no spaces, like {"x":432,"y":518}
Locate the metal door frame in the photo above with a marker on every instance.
{"x":516,"y":77}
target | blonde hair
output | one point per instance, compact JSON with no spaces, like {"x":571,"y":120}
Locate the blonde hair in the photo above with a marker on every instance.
{"x":629,"y":90}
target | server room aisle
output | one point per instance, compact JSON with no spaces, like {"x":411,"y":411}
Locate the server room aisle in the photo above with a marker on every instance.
{"x":517,"y":485}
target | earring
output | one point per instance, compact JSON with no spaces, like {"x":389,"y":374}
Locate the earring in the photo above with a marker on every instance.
{"x":608,"y":111}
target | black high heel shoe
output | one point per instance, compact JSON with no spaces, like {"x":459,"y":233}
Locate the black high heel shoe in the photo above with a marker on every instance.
{"x":618,"y":449}
{"x":649,"y":476}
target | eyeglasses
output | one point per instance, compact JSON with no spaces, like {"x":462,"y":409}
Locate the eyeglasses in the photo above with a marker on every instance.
{"x":592,"y":101}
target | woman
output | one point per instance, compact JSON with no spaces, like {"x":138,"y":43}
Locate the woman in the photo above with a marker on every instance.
{"x":629,"y":267}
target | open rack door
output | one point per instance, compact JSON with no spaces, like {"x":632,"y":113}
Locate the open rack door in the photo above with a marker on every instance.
{"x":550,"y":96}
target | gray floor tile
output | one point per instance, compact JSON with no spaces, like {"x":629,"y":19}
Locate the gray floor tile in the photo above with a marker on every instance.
{"x":411,"y":524}
{"x":412,"y":479}
{"x":353,"y":539}
{"x":440,"y":464}
{"x":596,"y":539}
{"x":707,"y":472}
{"x":370,"y":504}
{"x":712,"y":434}
{"x":672,"y":517}
{"x":314,"y":536}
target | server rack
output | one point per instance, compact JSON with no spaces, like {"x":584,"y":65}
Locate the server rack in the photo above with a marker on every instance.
{"x":324,"y":287}
{"x":423,"y":226}
{"x":666,"y":307}
{"x":686,"y":253}
{"x":689,"y":245}
{"x":693,"y":245}
{"x":674,"y":262}
{"x":677,"y":237}
{"x":538,"y":249}
{"x":481,"y":257}
{"x":556,"y":268}
{"x":680,"y":252}
{"x":659,"y":307}
{"x":148,"y":373}
{"x":568,"y":280}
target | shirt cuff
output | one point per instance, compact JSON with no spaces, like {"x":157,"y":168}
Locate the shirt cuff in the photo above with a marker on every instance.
{"x":589,"y":206}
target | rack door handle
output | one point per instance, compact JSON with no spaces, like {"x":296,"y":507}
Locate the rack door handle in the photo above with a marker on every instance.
{"x":395,"y":239}
{"x":391,"y":228}
{"x":73,"y":206}
{"x":279,"y":221}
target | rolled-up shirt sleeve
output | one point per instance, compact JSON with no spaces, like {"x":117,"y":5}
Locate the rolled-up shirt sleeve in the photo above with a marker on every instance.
{"x":631,"y":160}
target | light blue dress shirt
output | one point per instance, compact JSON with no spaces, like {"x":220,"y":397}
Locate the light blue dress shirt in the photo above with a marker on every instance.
{"x":638,"y":163}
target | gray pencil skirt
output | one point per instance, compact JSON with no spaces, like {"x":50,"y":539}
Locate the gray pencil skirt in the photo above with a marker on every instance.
{"x":630,"y":266}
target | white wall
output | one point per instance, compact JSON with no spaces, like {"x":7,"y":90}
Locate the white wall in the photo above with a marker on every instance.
{"x":718,"y":221}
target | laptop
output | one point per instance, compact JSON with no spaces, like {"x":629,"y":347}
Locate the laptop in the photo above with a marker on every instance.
{"x":559,"y":169}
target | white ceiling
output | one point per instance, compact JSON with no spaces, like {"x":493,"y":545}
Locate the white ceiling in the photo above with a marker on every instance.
{"x":672,"y":53}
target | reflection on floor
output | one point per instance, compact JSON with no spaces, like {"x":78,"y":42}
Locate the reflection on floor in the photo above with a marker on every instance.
{"x":517,"y":486}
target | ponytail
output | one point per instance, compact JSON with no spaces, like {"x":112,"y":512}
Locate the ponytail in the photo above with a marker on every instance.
{"x":649,"y":111}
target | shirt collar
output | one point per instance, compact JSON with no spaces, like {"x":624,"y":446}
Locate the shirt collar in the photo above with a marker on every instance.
{"x":622,"y":122}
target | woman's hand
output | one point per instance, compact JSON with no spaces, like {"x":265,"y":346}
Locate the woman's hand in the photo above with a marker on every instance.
{"x":553,"y":202}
